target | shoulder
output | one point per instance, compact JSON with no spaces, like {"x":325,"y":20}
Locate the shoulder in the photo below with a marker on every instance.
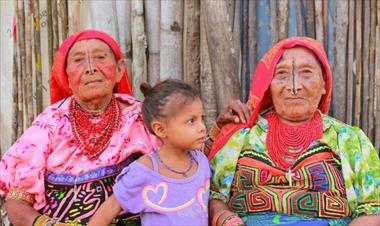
{"x":146,"y":161}
{"x":53,"y":115}
{"x":339,"y":126}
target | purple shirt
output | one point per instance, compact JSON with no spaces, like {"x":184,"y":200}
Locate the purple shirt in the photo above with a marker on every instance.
{"x":162,"y":200}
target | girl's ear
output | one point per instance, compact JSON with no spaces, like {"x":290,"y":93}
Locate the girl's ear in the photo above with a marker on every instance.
{"x":159,"y":129}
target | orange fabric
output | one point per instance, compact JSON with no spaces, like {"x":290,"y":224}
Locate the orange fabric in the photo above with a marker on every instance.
{"x":259,"y":98}
{"x":59,"y":86}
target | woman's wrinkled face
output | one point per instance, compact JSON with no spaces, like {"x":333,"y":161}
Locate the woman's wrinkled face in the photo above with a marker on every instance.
{"x":92,"y":70}
{"x":297,"y":85}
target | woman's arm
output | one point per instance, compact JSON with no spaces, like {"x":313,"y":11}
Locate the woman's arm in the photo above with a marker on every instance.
{"x":20,"y":213}
{"x":106,"y":212}
{"x":369,"y":220}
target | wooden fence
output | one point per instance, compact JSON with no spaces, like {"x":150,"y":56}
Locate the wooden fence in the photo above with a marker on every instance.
{"x":212,"y":44}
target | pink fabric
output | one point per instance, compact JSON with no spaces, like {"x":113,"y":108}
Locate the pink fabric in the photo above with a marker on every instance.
{"x":47,"y":146}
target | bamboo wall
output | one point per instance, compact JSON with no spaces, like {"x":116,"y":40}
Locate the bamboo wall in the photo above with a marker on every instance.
{"x":212,"y":44}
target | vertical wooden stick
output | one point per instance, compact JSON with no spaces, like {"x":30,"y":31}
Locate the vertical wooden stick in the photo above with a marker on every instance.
{"x":191,"y":42}
{"x":152,"y":14}
{"x":350,"y":61}
{"x":139,"y":66}
{"x":206,"y":78}
{"x":359,"y":63}
{"x":371,"y":71}
{"x":365,"y":79}
{"x":339,"y":70}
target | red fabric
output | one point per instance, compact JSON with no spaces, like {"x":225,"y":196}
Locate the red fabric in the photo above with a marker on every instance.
{"x":59,"y":86}
{"x":260,"y":99}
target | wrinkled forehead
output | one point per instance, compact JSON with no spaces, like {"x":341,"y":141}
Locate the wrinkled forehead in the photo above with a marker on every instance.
{"x":299,"y":53}
{"x":89,"y":45}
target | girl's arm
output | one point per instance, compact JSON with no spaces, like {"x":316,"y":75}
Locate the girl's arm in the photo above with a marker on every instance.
{"x":106,"y":212}
{"x":20,"y":213}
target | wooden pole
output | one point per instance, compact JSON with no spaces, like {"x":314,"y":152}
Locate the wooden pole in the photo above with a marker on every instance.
{"x":191,"y":42}
{"x":50,"y":30}
{"x":319,"y":29}
{"x":350,"y":61}
{"x":339,"y":70}
{"x":15,"y":84}
{"x":171,"y":40}
{"x":299,"y":19}
{"x":62,"y":20}
{"x":365,"y":78}
{"x":28,"y":82}
{"x":310,"y":17}
{"x":37,"y":56}
{"x":54,"y":13}
{"x":73,"y":11}
{"x":325,"y":10}
{"x":123,"y":10}
{"x":222,"y":53}
{"x":282,"y":19}
{"x":245,"y":67}
{"x":273,"y":22}
{"x":22,"y":63}
{"x":371,"y":70}
{"x":139,"y":67}
{"x":252,"y":45}
{"x":152,"y":15}
{"x":207,"y":86}
{"x":359,"y":63}
{"x":377,"y":121}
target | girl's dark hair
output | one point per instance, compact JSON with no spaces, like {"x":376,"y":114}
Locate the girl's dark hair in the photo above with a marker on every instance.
{"x":164,"y":97}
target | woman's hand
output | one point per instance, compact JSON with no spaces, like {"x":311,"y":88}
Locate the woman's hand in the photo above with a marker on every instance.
{"x":220,"y":215}
{"x":366,"y":220}
{"x":236,"y":112}
{"x":229,"y":218}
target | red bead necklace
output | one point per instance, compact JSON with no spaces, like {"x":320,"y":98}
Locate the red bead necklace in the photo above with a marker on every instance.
{"x":285,"y":143}
{"x":93,"y":131}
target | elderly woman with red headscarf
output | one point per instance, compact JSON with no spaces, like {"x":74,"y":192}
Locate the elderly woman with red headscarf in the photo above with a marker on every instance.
{"x":63,"y":167}
{"x":291,"y":164}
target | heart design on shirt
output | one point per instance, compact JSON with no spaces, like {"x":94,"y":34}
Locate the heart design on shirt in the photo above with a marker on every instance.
{"x":202,"y":195}
{"x":160,"y":190}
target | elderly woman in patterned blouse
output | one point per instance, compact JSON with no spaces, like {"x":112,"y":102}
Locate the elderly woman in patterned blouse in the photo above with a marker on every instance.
{"x":291,"y":164}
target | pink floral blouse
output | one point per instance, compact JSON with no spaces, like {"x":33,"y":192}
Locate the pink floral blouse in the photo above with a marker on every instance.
{"x":48,"y":146}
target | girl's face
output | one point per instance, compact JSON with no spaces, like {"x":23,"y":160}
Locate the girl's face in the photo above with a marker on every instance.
{"x":185,"y":128}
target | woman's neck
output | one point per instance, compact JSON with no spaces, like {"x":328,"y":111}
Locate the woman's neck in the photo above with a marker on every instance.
{"x":95,"y":105}
{"x":295,"y":122}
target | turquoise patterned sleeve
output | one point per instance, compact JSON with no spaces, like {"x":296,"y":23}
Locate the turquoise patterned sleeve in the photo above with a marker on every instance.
{"x":361,"y":171}
{"x":223,"y":166}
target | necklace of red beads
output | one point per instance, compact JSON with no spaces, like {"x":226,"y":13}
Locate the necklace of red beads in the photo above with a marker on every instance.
{"x":93,"y":130}
{"x":285,"y":143}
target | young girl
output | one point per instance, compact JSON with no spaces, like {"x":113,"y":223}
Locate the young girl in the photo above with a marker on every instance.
{"x":171,"y":185}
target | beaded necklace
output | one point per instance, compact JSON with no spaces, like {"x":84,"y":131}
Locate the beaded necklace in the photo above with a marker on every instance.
{"x":93,"y":131}
{"x":285,"y":143}
{"x":184,"y":173}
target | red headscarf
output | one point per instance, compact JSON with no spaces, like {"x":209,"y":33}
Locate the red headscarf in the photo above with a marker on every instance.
{"x":59,"y":86}
{"x":259,"y":98}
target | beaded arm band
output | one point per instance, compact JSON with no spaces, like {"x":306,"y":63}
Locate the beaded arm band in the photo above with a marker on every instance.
{"x":232,"y":220}
{"x":216,"y":216}
{"x":44,"y":220}
{"x":20,"y":195}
